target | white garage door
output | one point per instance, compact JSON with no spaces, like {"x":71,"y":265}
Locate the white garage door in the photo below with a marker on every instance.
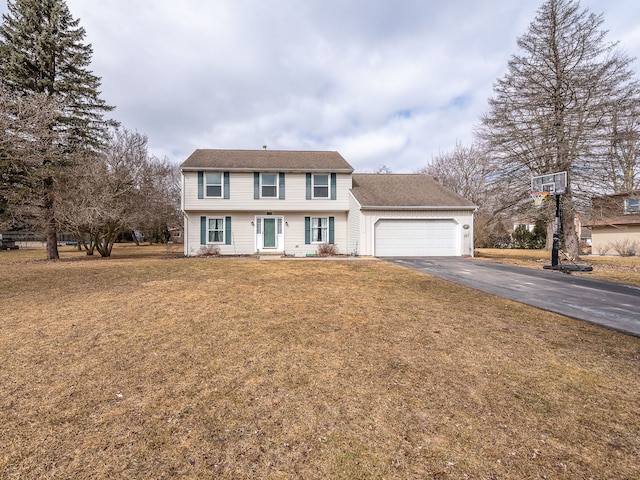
{"x":416,"y":238}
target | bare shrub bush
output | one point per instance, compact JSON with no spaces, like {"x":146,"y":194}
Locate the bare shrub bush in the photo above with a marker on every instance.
{"x":209,"y":251}
{"x":625,"y":247}
{"x":327,"y":250}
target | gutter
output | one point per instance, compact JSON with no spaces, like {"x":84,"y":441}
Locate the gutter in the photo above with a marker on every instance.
{"x":271,"y":168}
{"x":418,"y":207}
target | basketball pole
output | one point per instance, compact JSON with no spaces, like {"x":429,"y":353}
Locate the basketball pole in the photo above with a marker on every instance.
{"x":555,"y":249}
{"x":555,"y":184}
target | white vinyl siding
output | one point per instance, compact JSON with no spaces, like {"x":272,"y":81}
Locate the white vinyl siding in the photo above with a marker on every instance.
{"x":355,"y":232}
{"x":242,"y":195}
{"x":241,"y":233}
{"x":291,"y":227}
{"x":369,"y":218}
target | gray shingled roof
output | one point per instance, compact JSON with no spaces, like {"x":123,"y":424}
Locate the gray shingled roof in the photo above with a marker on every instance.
{"x":627,"y":219}
{"x":275,"y":160}
{"x":404,"y":190}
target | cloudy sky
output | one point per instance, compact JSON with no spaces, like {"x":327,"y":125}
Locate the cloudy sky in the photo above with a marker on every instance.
{"x":384,"y":82}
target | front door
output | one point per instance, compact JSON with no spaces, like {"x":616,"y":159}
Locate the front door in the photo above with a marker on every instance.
{"x":269,"y":238}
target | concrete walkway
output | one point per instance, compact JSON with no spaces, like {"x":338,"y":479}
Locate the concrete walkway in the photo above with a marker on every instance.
{"x":607,"y":304}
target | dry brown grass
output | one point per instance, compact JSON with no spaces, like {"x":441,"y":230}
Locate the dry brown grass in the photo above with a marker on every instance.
{"x":238,"y":368}
{"x":609,"y":268}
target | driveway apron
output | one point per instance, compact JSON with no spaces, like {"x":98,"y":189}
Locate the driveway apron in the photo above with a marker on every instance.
{"x":603,"y":303}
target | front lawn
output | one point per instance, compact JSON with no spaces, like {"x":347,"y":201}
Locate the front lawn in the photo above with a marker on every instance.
{"x":144,"y":366}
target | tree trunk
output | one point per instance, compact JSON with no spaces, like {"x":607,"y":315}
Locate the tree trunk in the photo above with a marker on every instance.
{"x":52,"y":239}
{"x":51,"y":227}
{"x":571,"y":244}
{"x":549,"y":241}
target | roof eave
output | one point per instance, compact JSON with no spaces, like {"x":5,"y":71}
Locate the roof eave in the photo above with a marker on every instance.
{"x":270,"y":169}
{"x":418,"y":207}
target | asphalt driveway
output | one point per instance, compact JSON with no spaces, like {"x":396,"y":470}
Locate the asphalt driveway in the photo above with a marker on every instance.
{"x":608,"y":304}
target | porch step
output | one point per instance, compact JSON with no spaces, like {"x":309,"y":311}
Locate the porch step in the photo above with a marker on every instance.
{"x":267,"y":253}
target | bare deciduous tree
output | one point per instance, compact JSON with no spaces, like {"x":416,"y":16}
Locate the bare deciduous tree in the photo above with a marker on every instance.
{"x":464,"y":170}
{"x":122,"y":188}
{"x":467,"y":170}
{"x":621,"y":166}
{"x":382,"y":169}
{"x":549,"y":112}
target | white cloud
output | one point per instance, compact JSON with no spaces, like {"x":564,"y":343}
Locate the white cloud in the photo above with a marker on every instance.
{"x":385,"y":82}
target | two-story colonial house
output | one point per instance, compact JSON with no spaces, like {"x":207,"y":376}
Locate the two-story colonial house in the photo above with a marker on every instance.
{"x":269,"y":201}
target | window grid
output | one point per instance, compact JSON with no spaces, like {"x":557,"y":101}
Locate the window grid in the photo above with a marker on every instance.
{"x":320,"y":186}
{"x":319,"y":230}
{"x":632,"y":205}
{"x":213,"y":184}
{"x":215,"y":232}
{"x":269,"y":185}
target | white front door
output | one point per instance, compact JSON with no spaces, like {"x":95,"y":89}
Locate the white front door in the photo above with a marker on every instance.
{"x":269,"y":233}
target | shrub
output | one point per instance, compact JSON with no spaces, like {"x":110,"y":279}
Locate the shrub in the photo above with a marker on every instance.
{"x":327,"y":250}
{"x":604,"y":249}
{"x":209,"y":251}
{"x":625,"y":248}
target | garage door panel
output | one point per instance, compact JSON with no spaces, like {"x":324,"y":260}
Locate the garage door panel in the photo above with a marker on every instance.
{"x":416,"y":237}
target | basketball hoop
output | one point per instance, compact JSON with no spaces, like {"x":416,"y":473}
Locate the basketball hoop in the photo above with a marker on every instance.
{"x":539,"y":197}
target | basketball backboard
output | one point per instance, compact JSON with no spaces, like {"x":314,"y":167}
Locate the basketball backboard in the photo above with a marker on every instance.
{"x":554,"y":183}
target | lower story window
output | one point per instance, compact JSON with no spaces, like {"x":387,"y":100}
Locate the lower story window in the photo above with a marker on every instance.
{"x":215,"y":230}
{"x":319,"y":229}
{"x":632,"y":205}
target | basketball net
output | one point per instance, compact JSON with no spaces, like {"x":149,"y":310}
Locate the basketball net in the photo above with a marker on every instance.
{"x":539,"y":197}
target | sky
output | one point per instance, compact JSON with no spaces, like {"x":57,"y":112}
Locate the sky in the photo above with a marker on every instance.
{"x":383,"y":82}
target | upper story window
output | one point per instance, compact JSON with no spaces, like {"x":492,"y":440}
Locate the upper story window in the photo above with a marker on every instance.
{"x":631,"y":205}
{"x":320,"y":186}
{"x":269,"y":185}
{"x":213,"y":184}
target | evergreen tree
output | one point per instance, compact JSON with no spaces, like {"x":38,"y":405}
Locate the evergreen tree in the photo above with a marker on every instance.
{"x":25,"y":137}
{"x":42,"y":52}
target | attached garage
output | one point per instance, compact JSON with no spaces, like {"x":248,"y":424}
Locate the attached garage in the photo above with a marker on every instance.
{"x":408,"y":215}
{"x":416,"y":238}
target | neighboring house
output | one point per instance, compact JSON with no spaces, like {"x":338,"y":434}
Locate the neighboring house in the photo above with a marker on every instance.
{"x":176,"y":233}
{"x":291,"y":202}
{"x":615,"y":223}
